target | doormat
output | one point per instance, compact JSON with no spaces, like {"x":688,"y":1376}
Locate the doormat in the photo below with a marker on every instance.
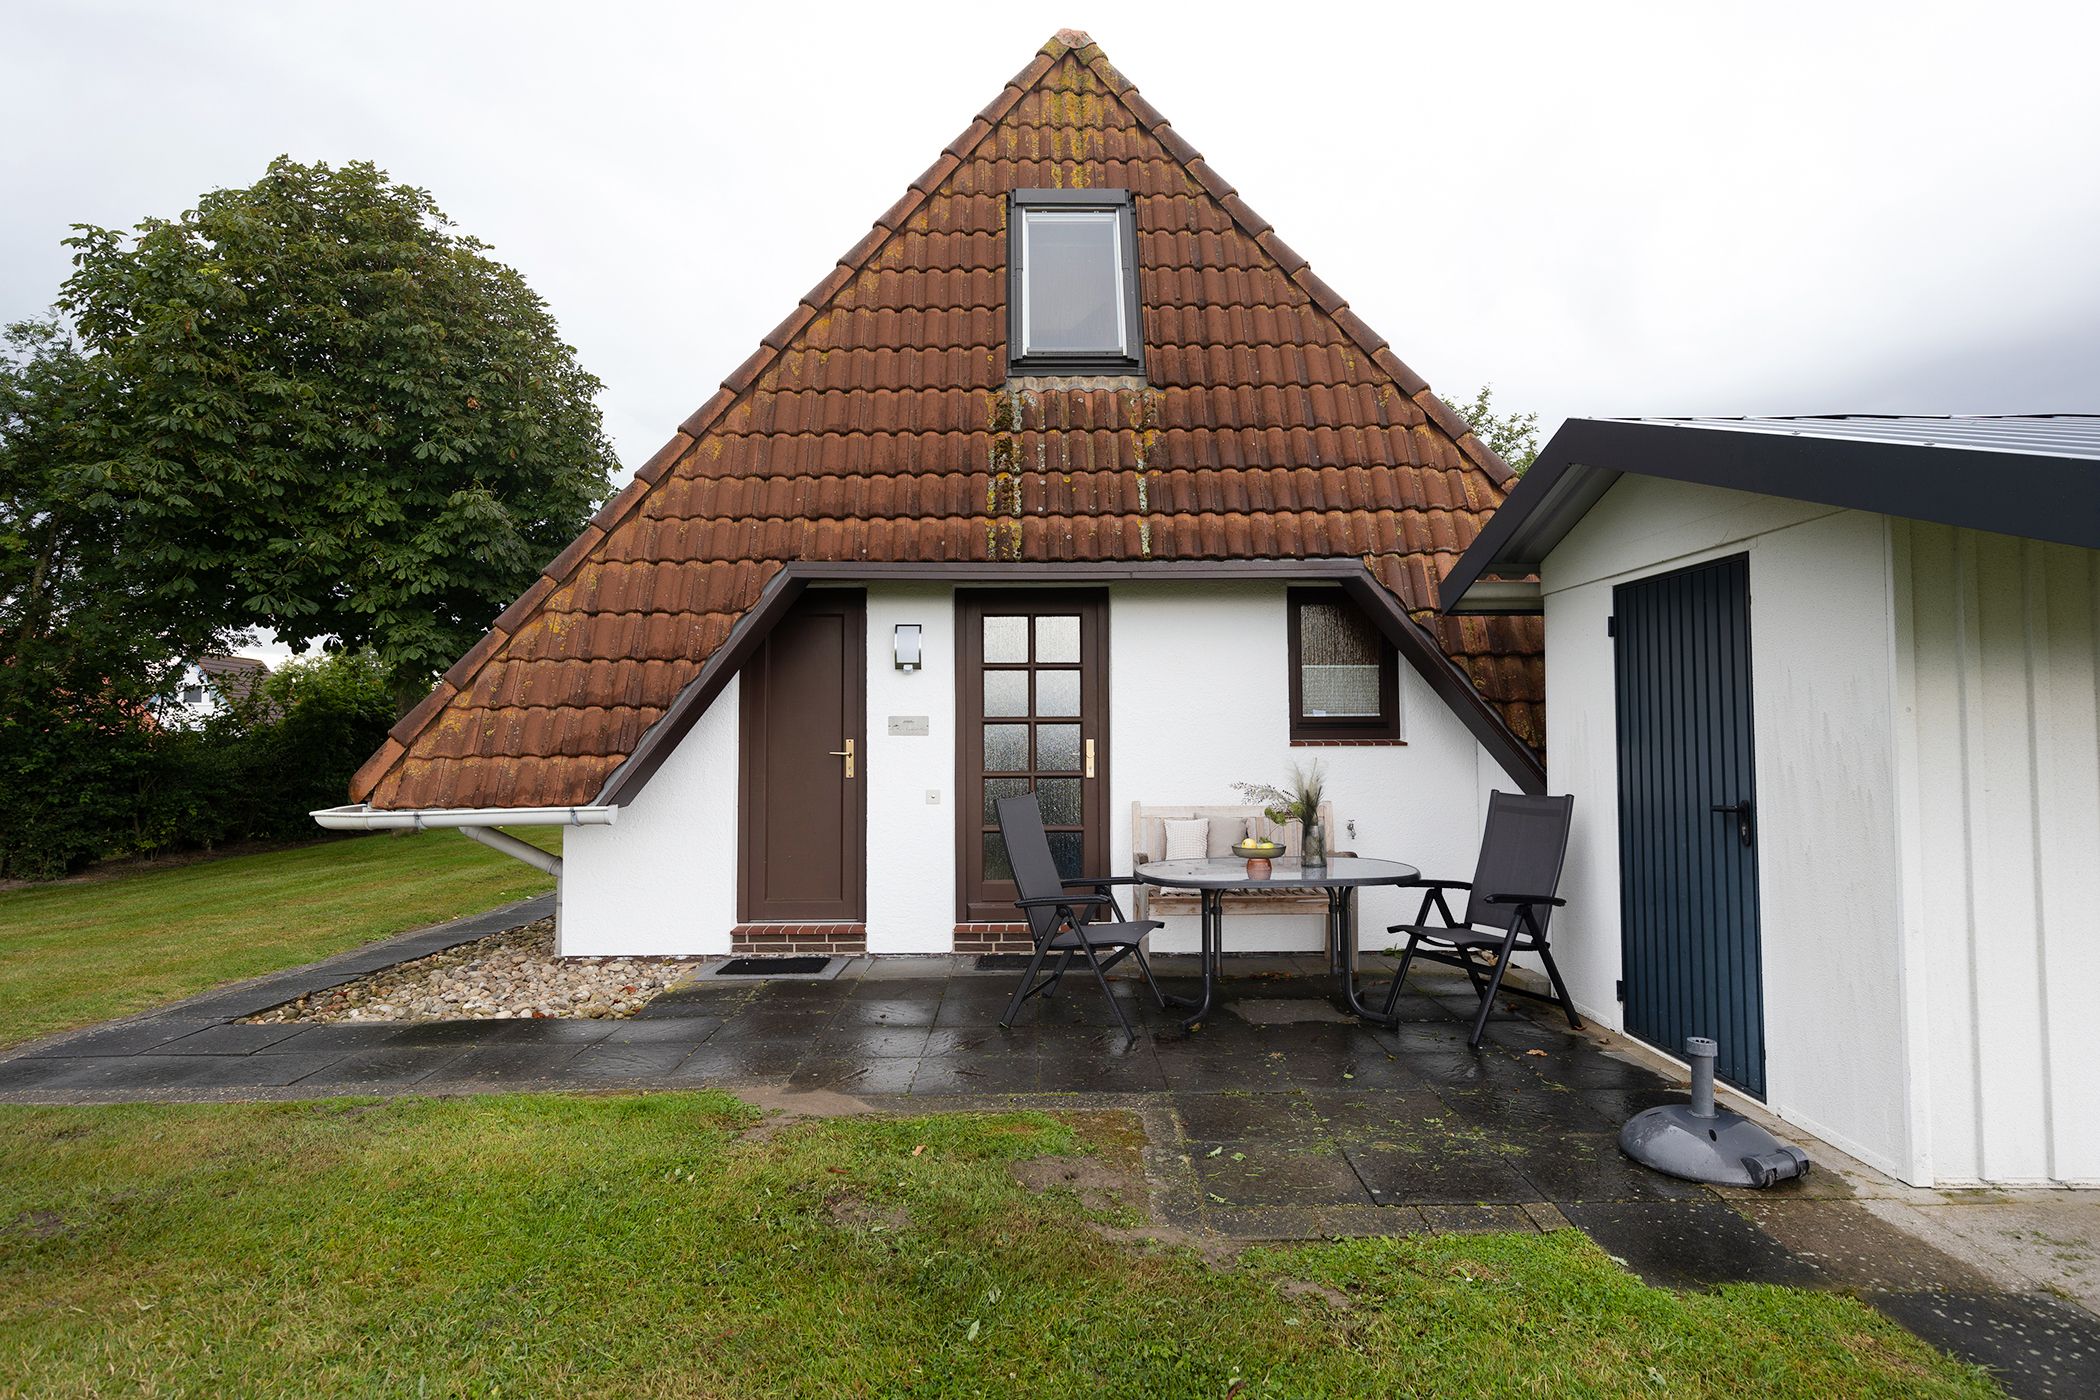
{"x":1002,"y":962}
{"x":773,"y":967}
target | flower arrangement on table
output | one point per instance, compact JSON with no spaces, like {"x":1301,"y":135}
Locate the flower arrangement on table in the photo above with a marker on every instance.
{"x":1299,"y":802}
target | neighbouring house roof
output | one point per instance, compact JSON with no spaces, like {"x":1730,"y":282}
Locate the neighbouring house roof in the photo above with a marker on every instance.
{"x":876,"y":426}
{"x":2032,"y":475}
{"x":235,"y":677}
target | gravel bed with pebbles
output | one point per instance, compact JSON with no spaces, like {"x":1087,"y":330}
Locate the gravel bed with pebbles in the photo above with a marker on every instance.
{"x":513,"y":975}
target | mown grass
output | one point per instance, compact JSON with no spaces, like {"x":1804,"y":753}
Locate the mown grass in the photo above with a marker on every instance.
{"x":650,"y":1245}
{"x":79,"y":952}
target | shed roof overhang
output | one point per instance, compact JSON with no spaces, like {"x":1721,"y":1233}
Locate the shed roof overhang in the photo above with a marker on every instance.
{"x":1412,"y":641}
{"x":2002,"y":485}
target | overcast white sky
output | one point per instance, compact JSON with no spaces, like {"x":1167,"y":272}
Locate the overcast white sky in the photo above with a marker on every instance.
{"x":1602,"y":209}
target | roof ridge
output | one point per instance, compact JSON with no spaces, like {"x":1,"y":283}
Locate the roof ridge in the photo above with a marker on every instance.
{"x":1296,"y":268}
{"x":738,"y":383}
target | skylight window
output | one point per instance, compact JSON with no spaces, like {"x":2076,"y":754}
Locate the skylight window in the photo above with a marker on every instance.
{"x":1073,"y":284}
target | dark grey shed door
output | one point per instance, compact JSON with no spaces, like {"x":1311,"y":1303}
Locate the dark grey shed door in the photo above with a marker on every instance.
{"x":1688,"y":814}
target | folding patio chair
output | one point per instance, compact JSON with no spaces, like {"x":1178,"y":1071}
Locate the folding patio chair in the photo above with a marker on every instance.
{"x":1064,"y":922}
{"x":1511,"y":897}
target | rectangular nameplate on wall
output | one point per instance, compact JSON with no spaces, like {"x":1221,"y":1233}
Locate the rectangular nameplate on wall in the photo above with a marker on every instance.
{"x":909,"y":724}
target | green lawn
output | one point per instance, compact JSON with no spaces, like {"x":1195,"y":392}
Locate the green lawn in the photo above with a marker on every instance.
{"x":651,"y":1245}
{"x":72,"y":954}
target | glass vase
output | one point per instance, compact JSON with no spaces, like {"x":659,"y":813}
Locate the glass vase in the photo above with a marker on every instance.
{"x":1313,"y":844}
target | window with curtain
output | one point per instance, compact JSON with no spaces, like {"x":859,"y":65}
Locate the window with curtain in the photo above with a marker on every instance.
{"x":1344,"y":672}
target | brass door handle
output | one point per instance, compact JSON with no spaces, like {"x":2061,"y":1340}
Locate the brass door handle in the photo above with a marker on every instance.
{"x":847,"y":754}
{"x":1090,"y":758}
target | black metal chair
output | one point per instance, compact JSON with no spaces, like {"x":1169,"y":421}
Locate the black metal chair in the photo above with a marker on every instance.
{"x":1062,"y":921}
{"x":1511,"y":898}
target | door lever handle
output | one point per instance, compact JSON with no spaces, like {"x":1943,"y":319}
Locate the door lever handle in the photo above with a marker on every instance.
{"x":1744,"y":829}
{"x":847,"y":754}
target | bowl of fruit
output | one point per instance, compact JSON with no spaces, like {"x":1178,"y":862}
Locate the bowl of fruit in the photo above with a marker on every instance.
{"x":1258,"y":852}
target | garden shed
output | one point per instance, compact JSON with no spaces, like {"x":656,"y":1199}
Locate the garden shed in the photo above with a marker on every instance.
{"x":1825,"y":692}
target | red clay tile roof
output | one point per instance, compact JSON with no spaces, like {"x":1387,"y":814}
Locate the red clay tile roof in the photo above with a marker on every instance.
{"x":876,"y":423}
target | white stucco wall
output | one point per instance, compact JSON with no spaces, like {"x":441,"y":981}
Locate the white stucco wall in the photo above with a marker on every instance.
{"x":1198,"y":700}
{"x":1999,"y":747}
{"x":911,"y":842}
{"x":1199,"y":687}
{"x":1829,"y":876}
{"x":662,"y":878}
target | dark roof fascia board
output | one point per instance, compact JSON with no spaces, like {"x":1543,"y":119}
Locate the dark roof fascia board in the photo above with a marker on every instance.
{"x":1413,"y":642}
{"x":1450,"y":684}
{"x":662,"y":737}
{"x":2025,"y":494}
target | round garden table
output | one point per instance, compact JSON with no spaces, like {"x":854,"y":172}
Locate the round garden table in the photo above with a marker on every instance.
{"x":1339,"y":880}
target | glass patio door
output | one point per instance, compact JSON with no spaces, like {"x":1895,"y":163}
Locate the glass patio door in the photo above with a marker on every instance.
{"x":1033,"y":704}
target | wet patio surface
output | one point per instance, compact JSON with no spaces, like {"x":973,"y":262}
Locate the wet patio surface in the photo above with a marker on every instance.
{"x":1274,"y":1120}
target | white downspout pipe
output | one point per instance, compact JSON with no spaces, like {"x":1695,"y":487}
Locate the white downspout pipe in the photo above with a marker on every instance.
{"x":511,"y":846}
{"x":475,"y":823}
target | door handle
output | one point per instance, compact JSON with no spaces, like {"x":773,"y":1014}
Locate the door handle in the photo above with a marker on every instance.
{"x":847,"y":754}
{"x":1090,"y":758}
{"x":1741,"y":812}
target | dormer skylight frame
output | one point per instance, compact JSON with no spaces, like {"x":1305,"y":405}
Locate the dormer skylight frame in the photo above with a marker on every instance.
{"x":1020,"y":362}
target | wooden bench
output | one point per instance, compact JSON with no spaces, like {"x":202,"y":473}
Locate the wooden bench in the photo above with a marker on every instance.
{"x":1228,"y":824}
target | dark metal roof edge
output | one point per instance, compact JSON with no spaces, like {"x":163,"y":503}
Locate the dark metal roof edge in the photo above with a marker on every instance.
{"x":2057,"y":500}
{"x":1413,"y":642}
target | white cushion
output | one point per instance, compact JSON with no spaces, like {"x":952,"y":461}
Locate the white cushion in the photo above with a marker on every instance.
{"x":1187,"y":839}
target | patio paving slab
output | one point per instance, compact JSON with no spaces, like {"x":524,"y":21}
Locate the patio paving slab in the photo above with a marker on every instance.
{"x":1568,"y":1167}
{"x":399,"y":1067}
{"x":686,"y":1030}
{"x":1850,"y":1245}
{"x":506,"y":1065}
{"x":225,"y":1039}
{"x":630,"y":1062}
{"x":1689,"y":1244}
{"x":1427,"y":1170}
{"x":2037,"y":1347}
{"x":128,"y":1038}
{"x":1238,"y":1114}
{"x":1276,"y":1172}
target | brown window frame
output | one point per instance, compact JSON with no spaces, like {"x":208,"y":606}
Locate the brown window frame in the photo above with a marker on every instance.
{"x":1384,"y":728}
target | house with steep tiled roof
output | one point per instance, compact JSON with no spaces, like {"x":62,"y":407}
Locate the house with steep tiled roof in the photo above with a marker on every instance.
{"x":1070,"y":477}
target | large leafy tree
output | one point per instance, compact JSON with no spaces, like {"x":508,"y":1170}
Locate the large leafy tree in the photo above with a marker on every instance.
{"x":1513,"y":435}
{"x":312,"y":405}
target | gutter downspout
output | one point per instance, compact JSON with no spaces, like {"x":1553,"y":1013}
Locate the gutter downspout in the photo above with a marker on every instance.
{"x":475,"y":823}
{"x":511,"y":846}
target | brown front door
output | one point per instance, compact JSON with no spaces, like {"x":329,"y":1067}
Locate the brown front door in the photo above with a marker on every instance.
{"x":1033,"y":702}
{"x":803,"y":809}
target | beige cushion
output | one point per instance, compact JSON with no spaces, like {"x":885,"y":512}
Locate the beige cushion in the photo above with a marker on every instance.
{"x":1187,"y":838}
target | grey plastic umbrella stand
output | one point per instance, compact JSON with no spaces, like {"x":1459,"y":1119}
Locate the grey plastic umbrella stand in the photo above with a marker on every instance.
{"x":1702,"y":1143}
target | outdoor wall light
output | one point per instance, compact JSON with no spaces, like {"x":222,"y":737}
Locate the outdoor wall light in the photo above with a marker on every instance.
{"x":906,"y":646}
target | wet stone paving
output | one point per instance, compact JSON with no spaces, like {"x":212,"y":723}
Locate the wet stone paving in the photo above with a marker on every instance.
{"x":1274,"y":1120}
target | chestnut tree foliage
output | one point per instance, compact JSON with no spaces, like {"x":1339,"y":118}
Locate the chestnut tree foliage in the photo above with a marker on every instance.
{"x":311,"y":405}
{"x":324,"y":411}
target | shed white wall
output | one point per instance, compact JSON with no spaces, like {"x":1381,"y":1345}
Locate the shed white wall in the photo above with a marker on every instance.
{"x":1828,"y":874}
{"x":1198,"y":700}
{"x":2000,"y":753}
